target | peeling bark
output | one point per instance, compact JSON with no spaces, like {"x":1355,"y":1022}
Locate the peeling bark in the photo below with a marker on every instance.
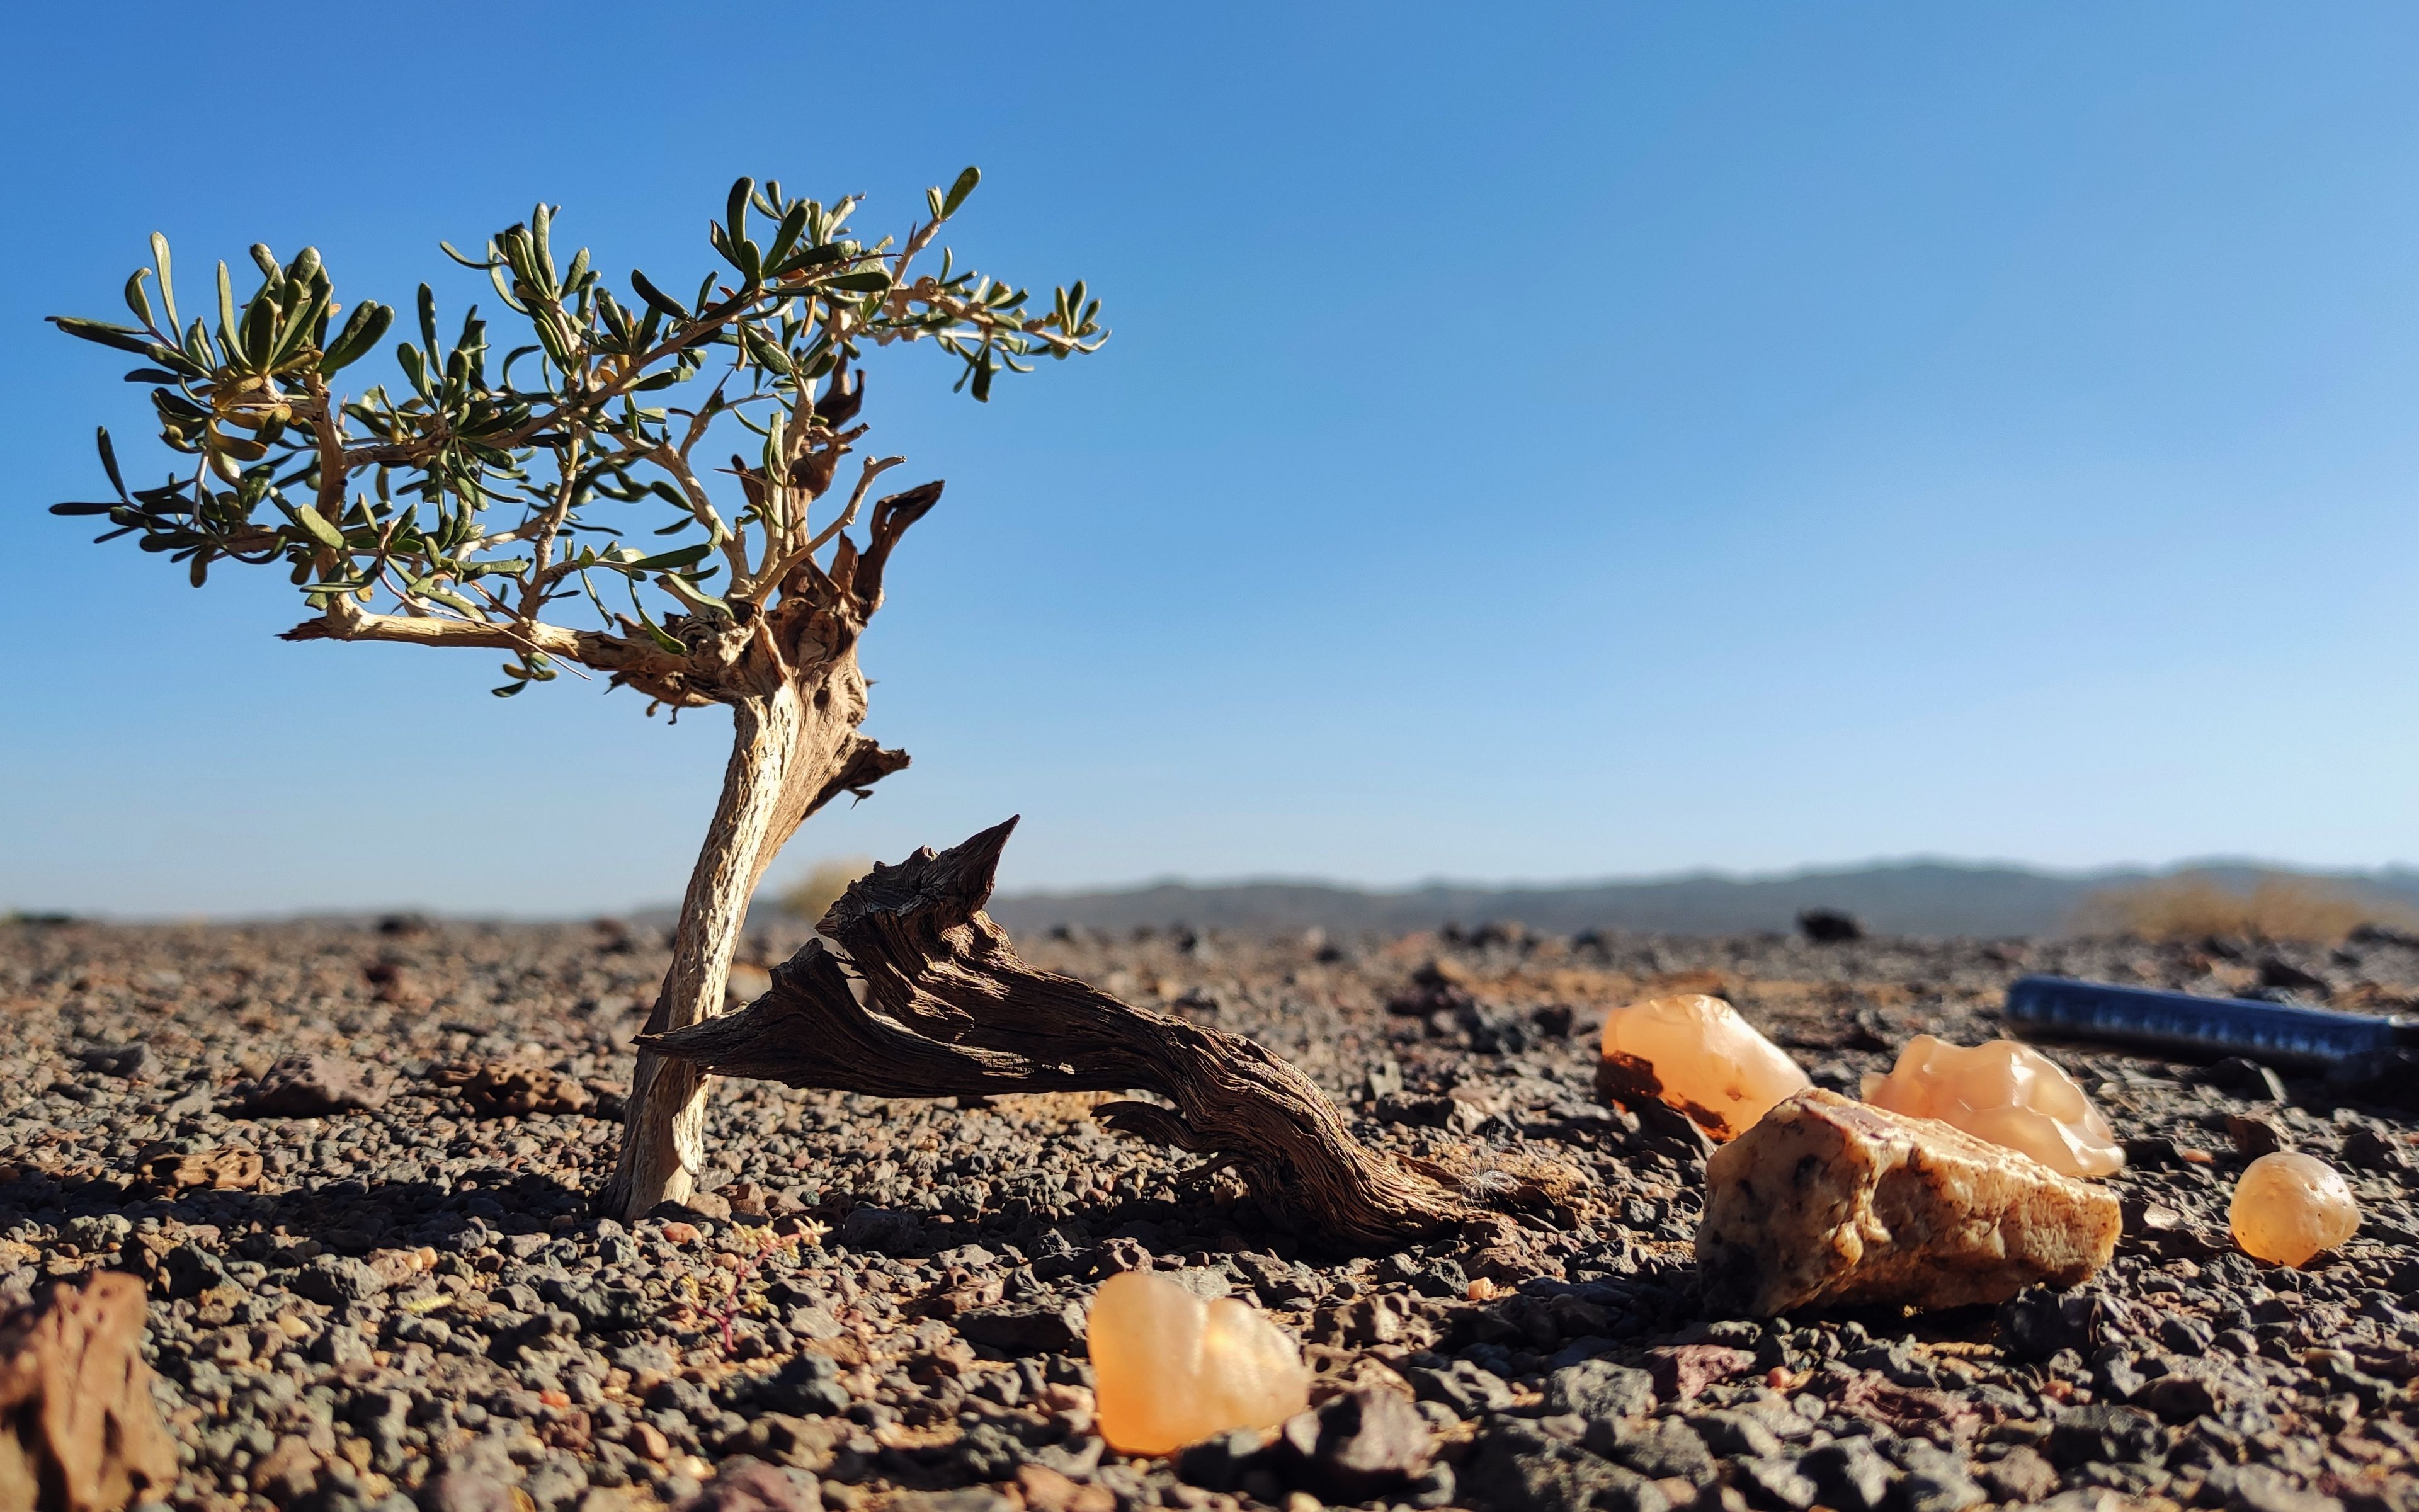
{"x":796,"y":697}
{"x":950,"y":1010}
{"x":789,"y":755}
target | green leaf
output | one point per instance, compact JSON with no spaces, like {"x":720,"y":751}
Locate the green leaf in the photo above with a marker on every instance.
{"x":316,"y":524}
{"x":363,"y":328}
{"x":81,"y":507}
{"x":762,"y":348}
{"x":793,"y":227}
{"x":541,"y":222}
{"x":959,"y":191}
{"x":159,"y":264}
{"x":109,"y":461}
{"x":429,"y":321}
{"x":734,"y":220}
{"x":226,"y":310}
{"x":299,"y":328}
{"x":817,"y":256}
{"x":686,"y":556}
{"x":123,"y":338}
{"x":504,"y":291}
{"x":136,"y":300}
{"x":258,"y":331}
{"x":864,"y":281}
{"x":656,"y":299}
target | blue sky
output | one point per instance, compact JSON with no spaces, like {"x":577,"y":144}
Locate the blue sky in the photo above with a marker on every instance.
{"x":1606,"y":440}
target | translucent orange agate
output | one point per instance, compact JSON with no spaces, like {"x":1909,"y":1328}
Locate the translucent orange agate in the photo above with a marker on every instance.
{"x":1170,"y":1370}
{"x":2290,"y":1207}
{"x":1695,"y":1054}
{"x":2007,"y":1093}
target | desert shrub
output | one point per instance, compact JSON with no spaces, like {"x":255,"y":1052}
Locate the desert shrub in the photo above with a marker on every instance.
{"x":2277,"y":906}
{"x":811,"y":896}
{"x":487,"y":493}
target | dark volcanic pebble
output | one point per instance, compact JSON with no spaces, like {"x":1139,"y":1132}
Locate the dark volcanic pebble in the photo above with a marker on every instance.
{"x":376,"y":1285}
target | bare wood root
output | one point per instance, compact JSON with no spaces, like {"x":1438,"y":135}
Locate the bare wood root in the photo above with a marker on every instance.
{"x":950,"y":1010}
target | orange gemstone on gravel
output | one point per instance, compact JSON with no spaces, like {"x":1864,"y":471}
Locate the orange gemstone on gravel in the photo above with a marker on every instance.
{"x":1695,"y":1054}
{"x":2290,"y":1208}
{"x":2007,"y":1093}
{"x":1169,"y":1369}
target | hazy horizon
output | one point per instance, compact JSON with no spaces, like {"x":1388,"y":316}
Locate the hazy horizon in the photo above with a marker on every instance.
{"x":776,"y":885}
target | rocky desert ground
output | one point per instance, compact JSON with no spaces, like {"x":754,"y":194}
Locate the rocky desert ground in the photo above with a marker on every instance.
{"x":351,"y":1165}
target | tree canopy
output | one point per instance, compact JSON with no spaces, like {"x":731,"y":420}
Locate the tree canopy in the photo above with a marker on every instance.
{"x":464,"y":501}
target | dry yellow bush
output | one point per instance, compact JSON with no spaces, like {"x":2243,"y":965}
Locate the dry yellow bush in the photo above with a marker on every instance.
{"x":2195,"y":906}
{"x":811,"y":896}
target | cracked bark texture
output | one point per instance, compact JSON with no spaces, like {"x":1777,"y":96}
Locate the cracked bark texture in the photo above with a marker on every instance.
{"x":950,"y":1010}
{"x":796,"y":698}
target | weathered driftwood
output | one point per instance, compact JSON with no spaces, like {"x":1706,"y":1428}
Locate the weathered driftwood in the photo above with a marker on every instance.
{"x":950,"y":1010}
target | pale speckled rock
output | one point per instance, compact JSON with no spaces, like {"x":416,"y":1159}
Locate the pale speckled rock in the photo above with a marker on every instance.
{"x":1828,"y":1201}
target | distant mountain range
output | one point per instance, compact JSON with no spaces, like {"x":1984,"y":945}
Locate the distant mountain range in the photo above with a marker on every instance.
{"x":1918,"y":898}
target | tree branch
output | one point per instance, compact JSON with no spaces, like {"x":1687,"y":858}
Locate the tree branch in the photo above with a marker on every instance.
{"x":892,"y":516}
{"x":604,"y":653}
{"x":949,"y":1010}
{"x":777,"y":572}
{"x":862,"y":764}
{"x":672,"y":461}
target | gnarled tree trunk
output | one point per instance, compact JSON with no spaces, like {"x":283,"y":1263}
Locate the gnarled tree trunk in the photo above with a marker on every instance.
{"x":663,"y":1145}
{"x":796,"y":698}
{"x":950,"y":1009}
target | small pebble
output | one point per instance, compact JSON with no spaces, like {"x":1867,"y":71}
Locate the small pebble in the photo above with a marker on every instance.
{"x":2290,"y":1207}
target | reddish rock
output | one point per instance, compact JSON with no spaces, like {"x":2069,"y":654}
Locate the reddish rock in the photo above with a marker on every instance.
{"x":1681,"y":1371}
{"x":312,"y":1087}
{"x":287,"y":1472}
{"x":749,"y":1200}
{"x":229,"y":1168}
{"x":496,"y":1088}
{"x":1358,"y":1445}
{"x":1915,"y":1411}
{"x":1046,"y":1490}
{"x":78,"y":1428}
{"x":648,"y":1443}
{"x":747,"y":1485}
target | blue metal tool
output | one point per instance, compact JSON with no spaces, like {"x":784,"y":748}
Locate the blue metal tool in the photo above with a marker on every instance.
{"x":2198,"y":1028}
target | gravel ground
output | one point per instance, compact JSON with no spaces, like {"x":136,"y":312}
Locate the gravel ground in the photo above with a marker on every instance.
{"x":878,"y":1303}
